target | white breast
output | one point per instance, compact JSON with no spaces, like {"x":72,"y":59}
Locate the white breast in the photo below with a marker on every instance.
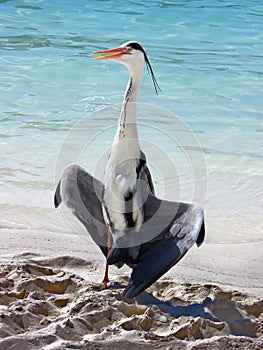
{"x":121,"y":179}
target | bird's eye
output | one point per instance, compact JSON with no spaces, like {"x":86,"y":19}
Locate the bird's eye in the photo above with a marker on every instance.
{"x":130,"y":49}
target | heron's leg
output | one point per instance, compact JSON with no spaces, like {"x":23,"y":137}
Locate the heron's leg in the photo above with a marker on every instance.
{"x":106,"y":280}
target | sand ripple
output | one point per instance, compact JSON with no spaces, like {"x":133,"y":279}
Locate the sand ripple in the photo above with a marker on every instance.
{"x":43,"y":306}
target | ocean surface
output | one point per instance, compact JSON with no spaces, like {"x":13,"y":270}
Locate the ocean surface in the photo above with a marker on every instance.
{"x":203,"y":134}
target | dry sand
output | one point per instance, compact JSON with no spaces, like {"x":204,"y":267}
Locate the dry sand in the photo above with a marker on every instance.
{"x":51,"y":298}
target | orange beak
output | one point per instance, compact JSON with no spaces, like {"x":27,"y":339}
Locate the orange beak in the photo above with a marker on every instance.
{"x":111,"y":54}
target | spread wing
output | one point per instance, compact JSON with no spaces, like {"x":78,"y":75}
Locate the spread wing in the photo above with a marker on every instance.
{"x":180,"y":225}
{"x":169,"y":230}
{"x":82,"y":194}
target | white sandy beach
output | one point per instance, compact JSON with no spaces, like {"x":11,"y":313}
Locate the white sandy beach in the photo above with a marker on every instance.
{"x":52,"y":298}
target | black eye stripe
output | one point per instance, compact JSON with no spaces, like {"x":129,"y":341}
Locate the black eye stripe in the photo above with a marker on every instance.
{"x":137,"y":46}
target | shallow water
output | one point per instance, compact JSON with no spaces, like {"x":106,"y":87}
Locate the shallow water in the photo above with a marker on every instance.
{"x":207,"y":57}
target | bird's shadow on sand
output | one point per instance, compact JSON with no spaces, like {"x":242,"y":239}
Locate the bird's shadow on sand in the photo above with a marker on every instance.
{"x":217,"y":310}
{"x":194,"y":310}
{"x":220,"y":309}
{"x":147,"y":299}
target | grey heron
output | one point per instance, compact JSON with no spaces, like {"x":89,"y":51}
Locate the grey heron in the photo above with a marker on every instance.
{"x":122,"y":214}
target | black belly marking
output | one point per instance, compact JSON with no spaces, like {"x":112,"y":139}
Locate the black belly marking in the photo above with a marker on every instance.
{"x":128,"y":210}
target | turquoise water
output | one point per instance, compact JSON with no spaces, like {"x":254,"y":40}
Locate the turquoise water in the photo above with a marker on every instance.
{"x":208,"y":59}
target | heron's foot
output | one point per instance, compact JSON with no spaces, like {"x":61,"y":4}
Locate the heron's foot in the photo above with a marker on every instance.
{"x":106,"y":280}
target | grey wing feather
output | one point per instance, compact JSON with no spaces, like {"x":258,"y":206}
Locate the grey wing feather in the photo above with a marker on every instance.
{"x":166,"y":249}
{"x":81,"y":192}
{"x":155,"y":262}
{"x":169,"y":229}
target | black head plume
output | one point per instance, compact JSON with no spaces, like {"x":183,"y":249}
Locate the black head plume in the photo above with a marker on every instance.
{"x":137,"y":46}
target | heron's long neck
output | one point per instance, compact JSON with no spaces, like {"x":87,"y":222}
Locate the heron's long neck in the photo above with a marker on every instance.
{"x":127,"y":128}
